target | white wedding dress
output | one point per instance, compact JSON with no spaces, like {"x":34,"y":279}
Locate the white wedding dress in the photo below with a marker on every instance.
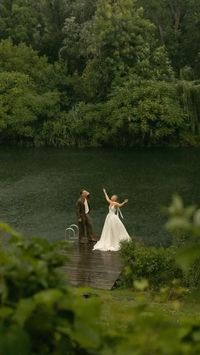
{"x":113,"y":232}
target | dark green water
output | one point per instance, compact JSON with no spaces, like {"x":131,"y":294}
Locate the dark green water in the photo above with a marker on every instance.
{"x":39,"y":187}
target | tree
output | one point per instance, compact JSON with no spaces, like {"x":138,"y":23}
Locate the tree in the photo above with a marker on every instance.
{"x":29,"y":92}
{"x":77,"y":27}
{"x":177,"y":23}
{"x":16,"y":113}
{"x":137,"y":113}
{"x":35,"y":23}
{"x":54,"y":13}
{"x":147,"y":112}
{"x":22,"y":109}
{"x":122,"y":44}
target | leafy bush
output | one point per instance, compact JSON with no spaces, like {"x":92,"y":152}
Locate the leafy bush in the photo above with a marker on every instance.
{"x":184,"y":223}
{"x":192,"y":276}
{"x":38,"y":313}
{"x":151,"y":332}
{"x":21,"y":107}
{"x":160,"y":266}
{"x":157,"y":265}
{"x":30,"y":92}
{"x":23,"y":59}
{"x":147,"y":112}
{"x":139,"y":112}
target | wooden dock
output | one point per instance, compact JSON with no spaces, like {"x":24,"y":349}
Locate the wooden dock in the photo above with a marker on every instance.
{"x":90,"y":268}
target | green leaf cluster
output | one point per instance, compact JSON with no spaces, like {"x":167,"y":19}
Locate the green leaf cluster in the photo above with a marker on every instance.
{"x":184,"y":224}
{"x":38,"y":312}
{"x":156,"y":265}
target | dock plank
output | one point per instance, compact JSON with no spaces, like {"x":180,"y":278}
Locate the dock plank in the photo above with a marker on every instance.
{"x":96,"y":269}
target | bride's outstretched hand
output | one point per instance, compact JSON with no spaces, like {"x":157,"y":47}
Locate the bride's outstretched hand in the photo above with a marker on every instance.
{"x":126,"y":200}
{"x":104,"y":190}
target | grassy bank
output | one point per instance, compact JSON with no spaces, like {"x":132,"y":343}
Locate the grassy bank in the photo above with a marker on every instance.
{"x":118,"y":305}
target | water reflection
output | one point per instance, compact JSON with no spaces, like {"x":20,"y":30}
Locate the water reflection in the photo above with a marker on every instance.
{"x":93,"y":268}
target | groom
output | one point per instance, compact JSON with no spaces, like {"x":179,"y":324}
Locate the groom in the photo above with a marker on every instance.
{"x":84,"y":223}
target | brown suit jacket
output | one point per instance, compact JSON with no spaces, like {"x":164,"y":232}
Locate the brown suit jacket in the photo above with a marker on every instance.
{"x":80,"y":208}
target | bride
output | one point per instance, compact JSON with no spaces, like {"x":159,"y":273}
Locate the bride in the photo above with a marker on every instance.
{"x":113,"y":230}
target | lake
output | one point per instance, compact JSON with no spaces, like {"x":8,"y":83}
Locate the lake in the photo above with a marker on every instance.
{"x":39,"y":187}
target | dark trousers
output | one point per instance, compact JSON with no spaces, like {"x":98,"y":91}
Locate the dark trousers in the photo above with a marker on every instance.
{"x":85,"y":229}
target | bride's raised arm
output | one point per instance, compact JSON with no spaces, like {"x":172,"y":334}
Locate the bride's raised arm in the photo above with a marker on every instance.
{"x":122,"y":204}
{"x":106,"y":196}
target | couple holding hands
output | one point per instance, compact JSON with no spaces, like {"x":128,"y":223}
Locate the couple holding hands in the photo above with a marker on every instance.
{"x":113,"y":231}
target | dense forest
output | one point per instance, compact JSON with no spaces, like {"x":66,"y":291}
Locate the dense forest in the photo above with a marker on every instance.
{"x":100,"y":72}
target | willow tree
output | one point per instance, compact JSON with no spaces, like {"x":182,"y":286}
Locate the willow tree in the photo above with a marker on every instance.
{"x":190,"y":95}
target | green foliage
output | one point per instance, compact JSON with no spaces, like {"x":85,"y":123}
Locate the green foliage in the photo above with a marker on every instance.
{"x":40,"y":24}
{"x":112,"y":74}
{"x":138,"y":113}
{"x":36,"y":23}
{"x":122,"y":44}
{"x":153,"y":333}
{"x":190,"y":96}
{"x":185,"y":220}
{"x":24,"y":59}
{"x":17,"y":97}
{"x":184,"y":223}
{"x":147,"y":111}
{"x":151,"y":263}
{"x":29,"y":92}
{"x":21,"y":106}
{"x":192,"y":276}
{"x":38,"y":313}
{"x":77,"y":27}
{"x":157,"y":265}
{"x":177,"y":25}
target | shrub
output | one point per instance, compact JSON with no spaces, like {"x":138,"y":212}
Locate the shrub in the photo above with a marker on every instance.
{"x":38,"y":313}
{"x":184,"y":223}
{"x":137,"y":113}
{"x":157,"y":265}
{"x":192,"y":277}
